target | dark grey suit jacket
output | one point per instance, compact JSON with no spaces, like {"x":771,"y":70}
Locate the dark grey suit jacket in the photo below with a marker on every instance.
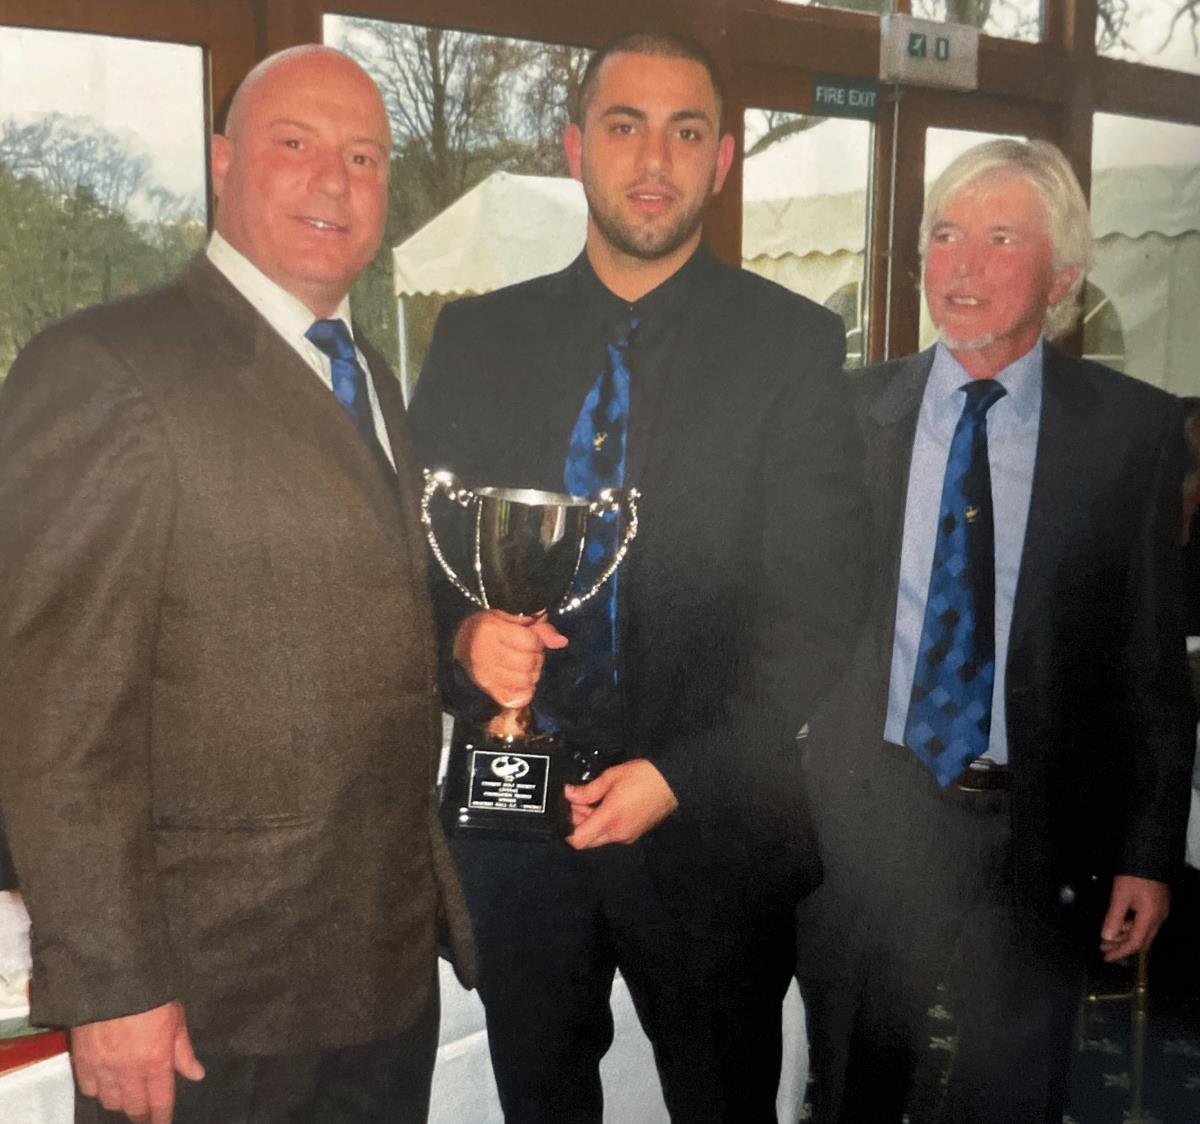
{"x":218,"y":683}
{"x":1100,"y":722}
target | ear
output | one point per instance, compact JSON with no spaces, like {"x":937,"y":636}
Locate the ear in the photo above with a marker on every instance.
{"x":725,"y":149}
{"x":222,"y":155}
{"x":573,"y":147}
{"x":1061,"y":286}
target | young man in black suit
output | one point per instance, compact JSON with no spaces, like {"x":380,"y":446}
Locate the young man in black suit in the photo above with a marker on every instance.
{"x":1002,"y":777}
{"x":734,"y":611}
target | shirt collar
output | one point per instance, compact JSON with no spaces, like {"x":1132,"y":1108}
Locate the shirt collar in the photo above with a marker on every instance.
{"x":289,"y":316}
{"x":1022,"y":379}
{"x":659,"y":305}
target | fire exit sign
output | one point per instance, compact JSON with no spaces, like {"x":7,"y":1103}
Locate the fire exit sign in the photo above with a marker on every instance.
{"x":840,"y":95}
{"x":928,"y":53}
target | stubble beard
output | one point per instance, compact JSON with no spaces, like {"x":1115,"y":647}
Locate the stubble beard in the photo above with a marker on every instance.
{"x":644,"y":242}
{"x":955,"y":344}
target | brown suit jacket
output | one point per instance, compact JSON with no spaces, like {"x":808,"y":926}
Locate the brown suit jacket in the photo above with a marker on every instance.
{"x":220,"y":724}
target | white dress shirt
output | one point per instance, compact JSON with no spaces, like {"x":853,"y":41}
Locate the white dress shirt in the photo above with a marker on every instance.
{"x":291,"y":319}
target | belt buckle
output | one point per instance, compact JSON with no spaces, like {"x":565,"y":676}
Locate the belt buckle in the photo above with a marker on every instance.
{"x":983,"y":775}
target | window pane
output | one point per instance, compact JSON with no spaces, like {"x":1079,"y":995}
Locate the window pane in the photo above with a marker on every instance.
{"x":102,"y":172}
{"x":804,"y":211}
{"x":1009,"y":19}
{"x":479,"y":191}
{"x":1146,"y":222}
{"x":878,"y":7}
{"x":1158,"y":32}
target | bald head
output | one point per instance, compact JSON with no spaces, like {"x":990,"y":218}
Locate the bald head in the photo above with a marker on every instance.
{"x":301,"y":172}
{"x":303,"y":63}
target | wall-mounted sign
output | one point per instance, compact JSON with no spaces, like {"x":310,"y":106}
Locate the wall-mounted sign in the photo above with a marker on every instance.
{"x":843,"y":95}
{"x":928,"y":53}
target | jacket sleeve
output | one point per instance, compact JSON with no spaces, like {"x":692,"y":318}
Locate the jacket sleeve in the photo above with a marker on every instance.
{"x":86,"y":506}
{"x":436,"y":417}
{"x":1161,"y":716}
{"x":810,"y":564}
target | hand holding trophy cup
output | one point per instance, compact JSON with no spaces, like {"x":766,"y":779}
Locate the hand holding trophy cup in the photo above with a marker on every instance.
{"x":506,"y":780}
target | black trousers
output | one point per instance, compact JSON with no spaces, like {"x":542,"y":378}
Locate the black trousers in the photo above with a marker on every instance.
{"x":553,"y":924}
{"x":383,"y":1082}
{"x":918,"y":893}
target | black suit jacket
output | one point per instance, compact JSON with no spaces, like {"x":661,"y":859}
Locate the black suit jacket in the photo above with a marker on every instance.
{"x":218,"y":682}
{"x":1099,"y":720}
{"x":740,"y":595}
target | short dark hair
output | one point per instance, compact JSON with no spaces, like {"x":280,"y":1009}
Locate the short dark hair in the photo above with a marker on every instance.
{"x":659,"y":43}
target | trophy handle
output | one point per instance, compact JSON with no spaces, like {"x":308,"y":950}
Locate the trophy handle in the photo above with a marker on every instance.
{"x":457,"y":493}
{"x":611,"y":499}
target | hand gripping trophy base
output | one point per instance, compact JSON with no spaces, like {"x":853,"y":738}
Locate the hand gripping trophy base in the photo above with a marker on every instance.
{"x":506,"y":781}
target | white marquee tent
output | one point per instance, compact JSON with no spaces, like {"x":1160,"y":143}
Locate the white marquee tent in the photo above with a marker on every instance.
{"x":810,"y":237}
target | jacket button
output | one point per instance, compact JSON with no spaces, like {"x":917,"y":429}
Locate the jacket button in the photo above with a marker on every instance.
{"x":1066,"y":894}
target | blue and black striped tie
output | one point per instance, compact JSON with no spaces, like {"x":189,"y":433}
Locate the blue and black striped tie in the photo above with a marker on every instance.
{"x":950,"y":713}
{"x":349,"y":379}
{"x":589,"y":700}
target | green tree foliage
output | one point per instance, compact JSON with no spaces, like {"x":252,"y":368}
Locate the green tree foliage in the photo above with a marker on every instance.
{"x":69,"y":238}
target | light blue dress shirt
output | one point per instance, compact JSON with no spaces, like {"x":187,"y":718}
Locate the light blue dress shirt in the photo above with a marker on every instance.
{"x":1012,"y":428}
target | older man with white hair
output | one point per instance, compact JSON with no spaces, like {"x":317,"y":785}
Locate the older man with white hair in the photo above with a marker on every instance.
{"x":1001,"y":780}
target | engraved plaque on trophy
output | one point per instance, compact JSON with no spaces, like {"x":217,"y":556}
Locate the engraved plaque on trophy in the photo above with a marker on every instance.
{"x":506,"y":780}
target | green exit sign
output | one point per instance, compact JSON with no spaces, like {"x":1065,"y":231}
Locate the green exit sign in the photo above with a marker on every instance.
{"x":844,"y":95}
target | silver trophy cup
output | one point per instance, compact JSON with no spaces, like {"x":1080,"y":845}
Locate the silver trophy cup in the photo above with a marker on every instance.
{"x":524,"y":549}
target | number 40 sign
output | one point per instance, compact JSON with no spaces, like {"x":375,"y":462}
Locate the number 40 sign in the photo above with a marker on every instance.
{"x":928,"y":53}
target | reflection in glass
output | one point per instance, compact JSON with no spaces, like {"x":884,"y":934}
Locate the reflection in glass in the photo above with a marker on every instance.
{"x":478,"y":172}
{"x":1007,"y":19}
{"x":1146,"y":222}
{"x":1157,"y":32}
{"x":804,"y":210}
{"x":1103,"y":340}
{"x":878,"y":7}
{"x":847,"y":302}
{"x":101,"y":172}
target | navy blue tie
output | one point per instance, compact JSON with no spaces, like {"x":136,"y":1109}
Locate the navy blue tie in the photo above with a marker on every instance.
{"x":950,"y":713}
{"x":349,"y":380}
{"x":588,"y":701}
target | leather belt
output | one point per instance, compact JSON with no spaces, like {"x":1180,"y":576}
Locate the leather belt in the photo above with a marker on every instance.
{"x":983,"y":775}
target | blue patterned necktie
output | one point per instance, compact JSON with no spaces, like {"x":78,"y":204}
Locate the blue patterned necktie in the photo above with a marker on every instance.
{"x":349,"y":380}
{"x":950,"y":712}
{"x":596,"y":460}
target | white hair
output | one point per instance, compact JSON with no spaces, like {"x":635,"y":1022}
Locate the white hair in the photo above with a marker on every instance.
{"x":1040,"y":164}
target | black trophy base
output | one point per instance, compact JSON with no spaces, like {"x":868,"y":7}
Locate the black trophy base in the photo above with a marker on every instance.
{"x":507,"y":788}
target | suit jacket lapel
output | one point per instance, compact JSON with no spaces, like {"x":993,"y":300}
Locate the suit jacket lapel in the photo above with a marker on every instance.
{"x":655,"y":393}
{"x":890,"y":424}
{"x":404,"y":482}
{"x":268,"y":368}
{"x":572,"y":368}
{"x":1062,"y":446}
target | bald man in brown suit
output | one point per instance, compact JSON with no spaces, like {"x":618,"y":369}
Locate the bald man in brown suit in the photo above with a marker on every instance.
{"x":220,"y":732}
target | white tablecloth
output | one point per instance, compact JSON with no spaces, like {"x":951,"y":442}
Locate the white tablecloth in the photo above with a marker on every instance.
{"x":38,"y":1094}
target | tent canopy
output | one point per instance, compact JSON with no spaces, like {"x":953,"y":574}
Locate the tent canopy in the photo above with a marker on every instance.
{"x":510,"y":228}
{"x":506,"y":229}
